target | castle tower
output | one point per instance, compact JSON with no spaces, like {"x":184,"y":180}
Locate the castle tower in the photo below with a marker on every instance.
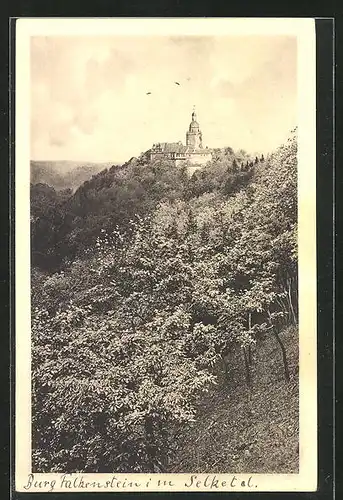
{"x":194,"y":136}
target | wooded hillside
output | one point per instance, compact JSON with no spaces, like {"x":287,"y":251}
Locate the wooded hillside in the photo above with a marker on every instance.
{"x":148,"y":287}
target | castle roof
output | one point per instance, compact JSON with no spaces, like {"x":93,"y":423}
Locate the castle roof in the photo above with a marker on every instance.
{"x":171,"y":147}
{"x":177,"y":147}
{"x":193,"y":125}
{"x":193,"y":145}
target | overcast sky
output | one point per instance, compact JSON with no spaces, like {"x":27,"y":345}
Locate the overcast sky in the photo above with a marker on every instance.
{"x":89,"y":101}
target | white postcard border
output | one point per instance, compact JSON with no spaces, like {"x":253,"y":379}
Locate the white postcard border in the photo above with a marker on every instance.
{"x":304,"y":30}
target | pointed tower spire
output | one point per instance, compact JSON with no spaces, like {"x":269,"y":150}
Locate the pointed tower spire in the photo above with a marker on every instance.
{"x":194,"y":136}
{"x":194,"y":116}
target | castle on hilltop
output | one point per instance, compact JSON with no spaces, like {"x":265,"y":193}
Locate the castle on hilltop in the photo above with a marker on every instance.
{"x":193,"y":151}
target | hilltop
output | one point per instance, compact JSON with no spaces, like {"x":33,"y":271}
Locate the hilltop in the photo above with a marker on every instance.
{"x":66,"y":223}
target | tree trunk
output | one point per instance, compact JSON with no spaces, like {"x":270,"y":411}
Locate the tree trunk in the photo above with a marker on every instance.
{"x":164,"y":436}
{"x":284,"y":355}
{"x":249,"y":355}
{"x":283,"y":309}
{"x":282,"y":347}
{"x":295,"y":280}
{"x":289,"y":281}
{"x":285,"y":302}
{"x":249,"y":346}
{"x":226,"y":372}
{"x":247,"y":367}
{"x":225,"y":367}
{"x":149,"y":439}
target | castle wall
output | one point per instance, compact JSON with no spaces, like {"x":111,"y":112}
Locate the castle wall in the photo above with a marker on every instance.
{"x":161,"y":156}
{"x":197,"y":161}
{"x":200,"y":158}
{"x":192,"y":169}
{"x":193,"y":139}
{"x":193,"y":152}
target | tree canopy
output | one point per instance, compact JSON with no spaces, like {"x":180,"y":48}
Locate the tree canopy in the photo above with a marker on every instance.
{"x":154,"y":278}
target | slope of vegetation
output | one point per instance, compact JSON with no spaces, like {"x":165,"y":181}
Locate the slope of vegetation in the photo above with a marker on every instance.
{"x":66,"y":224}
{"x":244,"y":430}
{"x":151,"y":291}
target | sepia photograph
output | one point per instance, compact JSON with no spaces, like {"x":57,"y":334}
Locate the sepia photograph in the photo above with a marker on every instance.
{"x":170,"y":332}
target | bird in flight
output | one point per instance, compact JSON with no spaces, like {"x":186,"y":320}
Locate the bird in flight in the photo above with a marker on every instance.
{"x":176,"y":83}
{"x":148,"y":93}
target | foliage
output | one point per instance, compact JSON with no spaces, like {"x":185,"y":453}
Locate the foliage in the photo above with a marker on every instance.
{"x":176,"y":274}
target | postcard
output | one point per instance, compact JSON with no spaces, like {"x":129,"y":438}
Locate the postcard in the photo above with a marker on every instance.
{"x":165,"y":255}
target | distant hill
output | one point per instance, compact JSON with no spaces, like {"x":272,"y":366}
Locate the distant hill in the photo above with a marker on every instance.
{"x":64,"y":174}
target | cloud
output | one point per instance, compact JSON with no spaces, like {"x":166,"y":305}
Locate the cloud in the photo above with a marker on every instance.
{"x":89,"y":102}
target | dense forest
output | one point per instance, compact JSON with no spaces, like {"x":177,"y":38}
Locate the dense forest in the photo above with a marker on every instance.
{"x":150,"y":289}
